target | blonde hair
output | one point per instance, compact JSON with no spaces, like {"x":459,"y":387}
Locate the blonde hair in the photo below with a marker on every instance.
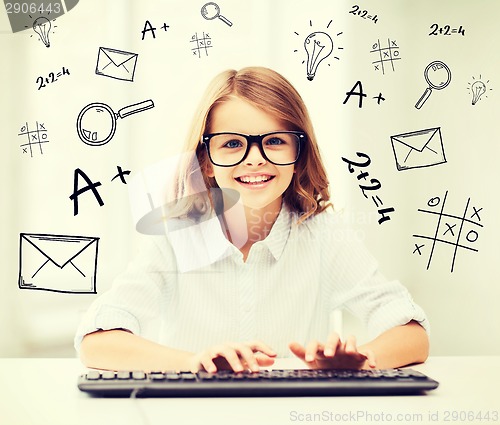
{"x":267,"y":90}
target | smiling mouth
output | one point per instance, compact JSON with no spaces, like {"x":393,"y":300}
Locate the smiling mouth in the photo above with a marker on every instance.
{"x":254,"y":179}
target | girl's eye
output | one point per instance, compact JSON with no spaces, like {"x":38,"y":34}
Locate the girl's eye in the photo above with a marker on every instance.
{"x":233,"y":144}
{"x":275,"y":141}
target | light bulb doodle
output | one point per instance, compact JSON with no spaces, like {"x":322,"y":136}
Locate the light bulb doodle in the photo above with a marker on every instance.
{"x":478,"y":89}
{"x":318,"y":46}
{"x":42,"y":27}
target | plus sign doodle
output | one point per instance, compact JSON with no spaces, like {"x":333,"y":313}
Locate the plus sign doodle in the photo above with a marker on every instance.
{"x":454,"y":230}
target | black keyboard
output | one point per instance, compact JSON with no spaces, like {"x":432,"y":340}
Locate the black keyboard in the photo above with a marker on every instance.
{"x":265,"y":383}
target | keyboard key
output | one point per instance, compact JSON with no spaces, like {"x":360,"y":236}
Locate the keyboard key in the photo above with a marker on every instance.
{"x":253,"y":376}
{"x":108,"y":374}
{"x":239,"y":376}
{"x":172,"y":376}
{"x":157,"y":376}
{"x":206,"y":376}
{"x":138,"y":375}
{"x":94,"y":375}
{"x":188,"y":376}
{"x":123,"y":374}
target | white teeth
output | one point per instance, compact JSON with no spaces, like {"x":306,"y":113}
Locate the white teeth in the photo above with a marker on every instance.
{"x":254,"y":179}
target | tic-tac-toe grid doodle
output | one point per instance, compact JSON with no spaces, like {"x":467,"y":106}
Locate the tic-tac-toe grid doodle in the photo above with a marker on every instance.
{"x":459,"y":231}
{"x":36,"y":138}
{"x":202,"y":44}
{"x":386,"y":55}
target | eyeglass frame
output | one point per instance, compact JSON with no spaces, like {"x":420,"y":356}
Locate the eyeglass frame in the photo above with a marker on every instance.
{"x":251,"y":139}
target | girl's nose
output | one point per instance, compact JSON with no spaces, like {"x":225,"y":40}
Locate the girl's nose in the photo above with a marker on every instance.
{"x":254,"y":156}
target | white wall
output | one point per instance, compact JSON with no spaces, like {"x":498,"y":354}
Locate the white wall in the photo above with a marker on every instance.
{"x":35,"y":190}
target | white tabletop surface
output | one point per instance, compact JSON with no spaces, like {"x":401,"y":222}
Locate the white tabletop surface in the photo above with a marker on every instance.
{"x":44,"y":392}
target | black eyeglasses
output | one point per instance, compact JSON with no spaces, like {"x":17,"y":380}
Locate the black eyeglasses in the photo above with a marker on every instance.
{"x":230,"y":149}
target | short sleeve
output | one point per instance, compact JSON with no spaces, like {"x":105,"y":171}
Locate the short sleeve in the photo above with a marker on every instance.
{"x":137,"y":296}
{"x":383,"y":304}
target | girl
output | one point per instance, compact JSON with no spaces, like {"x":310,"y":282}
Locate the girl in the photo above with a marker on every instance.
{"x":283,"y":262}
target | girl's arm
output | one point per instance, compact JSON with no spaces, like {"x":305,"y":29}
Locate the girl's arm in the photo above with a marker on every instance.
{"x":396,"y":347}
{"x":122,"y":350}
{"x":399,"y":346}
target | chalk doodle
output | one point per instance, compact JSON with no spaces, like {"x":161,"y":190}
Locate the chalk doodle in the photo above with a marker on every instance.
{"x":356,"y":11}
{"x":117,"y":64}
{"x":386,"y":55}
{"x":92,"y":186}
{"x":451,"y":230}
{"x":51,"y":78}
{"x":202,"y":44}
{"x":374,"y":185}
{"x":380,"y":98}
{"x":478,"y":89}
{"x":446,"y":30}
{"x":417,"y":149}
{"x":42,"y":27}
{"x":211,"y":11}
{"x":36,"y":137}
{"x":96,"y":122}
{"x":148,"y":28}
{"x":58,"y":263}
{"x":438,"y":76}
{"x":318,"y":46}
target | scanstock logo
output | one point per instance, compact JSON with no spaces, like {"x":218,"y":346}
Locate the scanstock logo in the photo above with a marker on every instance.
{"x":35,"y":15}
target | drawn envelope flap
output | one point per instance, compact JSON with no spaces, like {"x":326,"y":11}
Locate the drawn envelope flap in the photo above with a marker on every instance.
{"x":417,"y":140}
{"x":118,"y":57}
{"x":59,"y":249}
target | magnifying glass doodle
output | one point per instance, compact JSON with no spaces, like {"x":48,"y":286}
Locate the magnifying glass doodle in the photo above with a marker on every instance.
{"x":438,"y":76}
{"x":96,"y":122}
{"x":211,"y":11}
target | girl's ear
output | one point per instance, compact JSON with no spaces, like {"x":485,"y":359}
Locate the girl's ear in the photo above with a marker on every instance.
{"x":209,"y":171}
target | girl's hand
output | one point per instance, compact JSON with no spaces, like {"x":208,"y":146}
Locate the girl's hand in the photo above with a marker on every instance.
{"x":233,"y":356}
{"x":335,"y":354}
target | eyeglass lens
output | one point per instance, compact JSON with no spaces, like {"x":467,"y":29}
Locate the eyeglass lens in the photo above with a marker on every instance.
{"x":279,"y":148}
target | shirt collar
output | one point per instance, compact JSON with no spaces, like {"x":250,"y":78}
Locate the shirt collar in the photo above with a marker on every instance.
{"x":197,"y":245}
{"x":201,"y":244}
{"x":278,"y":236}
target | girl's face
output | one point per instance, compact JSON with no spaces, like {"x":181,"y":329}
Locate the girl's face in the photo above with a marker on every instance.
{"x":259,"y":182}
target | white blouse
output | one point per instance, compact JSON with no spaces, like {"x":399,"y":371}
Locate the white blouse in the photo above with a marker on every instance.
{"x":191,"y":289}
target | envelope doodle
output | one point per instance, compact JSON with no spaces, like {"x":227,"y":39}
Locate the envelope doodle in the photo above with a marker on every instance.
{"x":58,"y":263}
{"x":417,"y":149}
{"x":116,"y":64}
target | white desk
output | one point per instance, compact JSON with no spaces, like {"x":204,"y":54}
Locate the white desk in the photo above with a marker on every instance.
{"x":44,"y":392}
